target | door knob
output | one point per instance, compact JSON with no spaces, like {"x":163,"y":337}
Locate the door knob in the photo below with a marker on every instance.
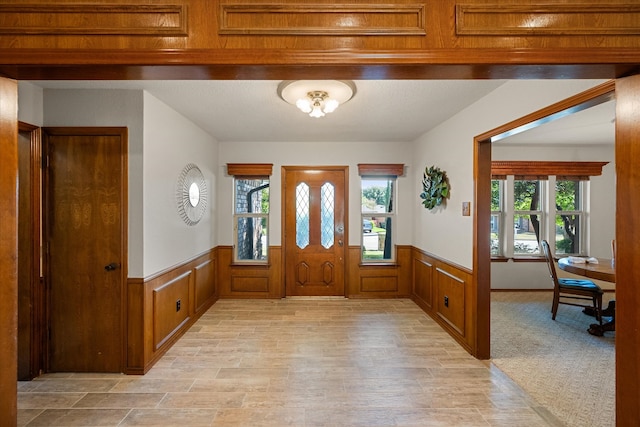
{"x":340,"y":243}
{"x":111,"y":267}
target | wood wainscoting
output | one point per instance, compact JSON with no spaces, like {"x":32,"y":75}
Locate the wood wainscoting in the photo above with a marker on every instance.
{"x":379,"y":280}
{"x":239,"y":280}
{"x":161,"y":308}
{"x":445,"y":292}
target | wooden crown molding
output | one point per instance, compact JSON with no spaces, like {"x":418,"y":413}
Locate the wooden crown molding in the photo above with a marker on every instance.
{"x":249,"y":169}
{"x":374,"y":169}
{"x":541,"y":168}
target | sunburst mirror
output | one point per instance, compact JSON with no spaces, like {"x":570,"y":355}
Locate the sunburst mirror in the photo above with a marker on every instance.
{"x":191,"y":193}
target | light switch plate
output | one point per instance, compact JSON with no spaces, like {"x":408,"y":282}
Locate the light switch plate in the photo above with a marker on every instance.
{"x":466,"y":208}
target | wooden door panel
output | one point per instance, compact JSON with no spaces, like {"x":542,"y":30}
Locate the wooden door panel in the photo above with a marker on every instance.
{"x":26,"y":277}
{"x":314,"y":231}
{"x":85,"y":205}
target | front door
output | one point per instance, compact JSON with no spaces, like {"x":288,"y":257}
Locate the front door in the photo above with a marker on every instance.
{"x":85,"y":200}
{"x":314,"y":230}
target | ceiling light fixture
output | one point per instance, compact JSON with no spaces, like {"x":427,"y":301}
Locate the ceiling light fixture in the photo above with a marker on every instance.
{"x":316,"y":97}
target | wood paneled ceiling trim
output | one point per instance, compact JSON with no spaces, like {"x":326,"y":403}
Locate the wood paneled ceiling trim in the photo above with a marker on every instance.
{"x":549,"y":19}
{"x":322,"y":19}
{"x":167,"y":20}
{"x":249,"y":169}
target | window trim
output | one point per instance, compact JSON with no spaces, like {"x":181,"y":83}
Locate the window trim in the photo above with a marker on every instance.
{"x":582,"y":170}
{"x":381,"y":169}
{"x":253,"y":170}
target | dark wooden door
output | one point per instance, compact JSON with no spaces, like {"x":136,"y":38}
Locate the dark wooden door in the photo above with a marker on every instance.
{"x":85,"y":223}
{"x":315,"y":232}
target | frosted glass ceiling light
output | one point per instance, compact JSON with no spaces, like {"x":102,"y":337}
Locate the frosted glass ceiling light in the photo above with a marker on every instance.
{"x":316,"y":97}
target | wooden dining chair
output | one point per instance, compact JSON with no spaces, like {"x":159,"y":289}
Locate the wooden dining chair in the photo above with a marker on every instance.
{"x":572,"y":291}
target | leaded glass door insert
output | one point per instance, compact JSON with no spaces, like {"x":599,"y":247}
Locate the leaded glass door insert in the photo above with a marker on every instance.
{"x":302,"y":215}
{"x":327,"y":215}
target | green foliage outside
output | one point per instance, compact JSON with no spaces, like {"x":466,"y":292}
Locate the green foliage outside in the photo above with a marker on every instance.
{"x":373,"y":196}
{"x":526,"y":195}
{"x":527,"y":198}
{"x":264,"y":200}
{"x":495,"y":195}
{"x":567,"y":200}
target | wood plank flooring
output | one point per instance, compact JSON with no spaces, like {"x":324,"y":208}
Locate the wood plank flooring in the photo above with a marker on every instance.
{"x":294,"y":362}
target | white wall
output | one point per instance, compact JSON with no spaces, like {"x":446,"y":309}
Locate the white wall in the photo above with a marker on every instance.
{"x":315,"y":154}
{"x":161,"y":142}
{"x":445,"y":232}
{"x":30,"y":104}
{"x":170,"y":143}
{"x":601,"y":199}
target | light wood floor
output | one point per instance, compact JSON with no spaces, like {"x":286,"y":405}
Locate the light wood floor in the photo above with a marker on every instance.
{"x":295,"y":363}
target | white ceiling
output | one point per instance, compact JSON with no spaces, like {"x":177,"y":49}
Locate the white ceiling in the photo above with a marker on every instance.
{"x":381,"y":110}
{"x":592,"y":126}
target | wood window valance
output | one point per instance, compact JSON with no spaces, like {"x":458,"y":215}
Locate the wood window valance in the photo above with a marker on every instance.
{"x":380,"y":169}
{"x":253,"y":170}
{"x":543,"y":169}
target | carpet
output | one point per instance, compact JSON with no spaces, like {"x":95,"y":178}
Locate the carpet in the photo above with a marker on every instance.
{"x":559,"y":364}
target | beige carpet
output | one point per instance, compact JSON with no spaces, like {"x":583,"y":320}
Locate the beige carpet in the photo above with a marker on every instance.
{"x":557,"y":362}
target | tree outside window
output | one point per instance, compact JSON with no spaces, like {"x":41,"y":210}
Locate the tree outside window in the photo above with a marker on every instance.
{"x":527,"y":216}
{"x":496,"y":217}
{"x":568,"y":216}
{"x":540,"y":200}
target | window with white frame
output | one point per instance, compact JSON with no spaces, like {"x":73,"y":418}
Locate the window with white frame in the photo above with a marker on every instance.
{"x":569,"y":216}
{"x":250,"y":212}
{"x":531,"y":201}
{"x":378,"y":212}
{"x":378,"y":217}
{"x":528,"y":216}
{"x":251,"y":223}
{"x":496,"y":216}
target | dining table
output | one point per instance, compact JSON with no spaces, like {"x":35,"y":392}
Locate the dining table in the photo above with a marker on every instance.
{"x":599,"y":269}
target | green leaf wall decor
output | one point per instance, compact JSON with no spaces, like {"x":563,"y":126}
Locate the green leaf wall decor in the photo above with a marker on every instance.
{"x":435,"y":187}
